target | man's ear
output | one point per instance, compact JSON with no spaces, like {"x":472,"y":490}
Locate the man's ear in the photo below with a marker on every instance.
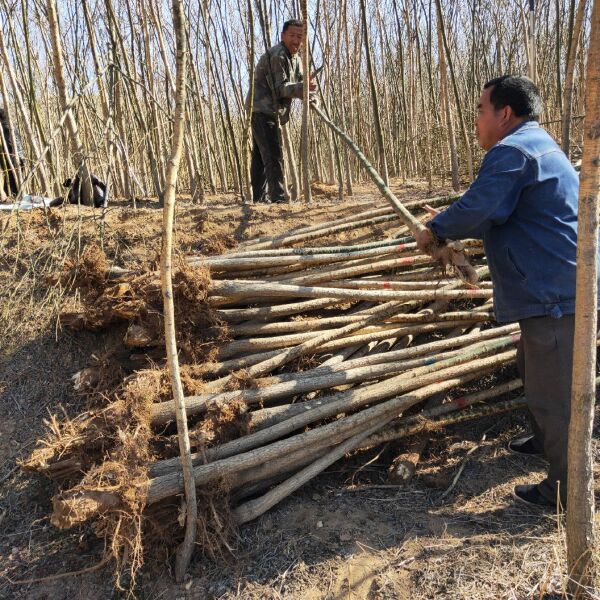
{"x":507,"y":113}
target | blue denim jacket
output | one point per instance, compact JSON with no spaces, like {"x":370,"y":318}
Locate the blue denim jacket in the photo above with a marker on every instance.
{"x":523,"y":205}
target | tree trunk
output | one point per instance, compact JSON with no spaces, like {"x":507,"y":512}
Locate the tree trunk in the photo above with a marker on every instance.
{"x":291,"y":162}
{"x":79,"y":156}
{"x":568,"y":89}
{"x":580,"y":493}
{"x":247,"y":137}
{"x":532,"y":46}
{"x":305,"y":108}
{"x":445,"y":100}
{"x":184,"y":552}
{"x":374,"y":99}
{"x":457,"y":97}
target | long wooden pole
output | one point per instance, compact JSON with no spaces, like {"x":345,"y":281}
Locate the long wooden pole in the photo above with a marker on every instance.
{"x":446,"y":254}
{"x":580,"y":488}
{"x":305,"y":144}
{"x":184,"y":552}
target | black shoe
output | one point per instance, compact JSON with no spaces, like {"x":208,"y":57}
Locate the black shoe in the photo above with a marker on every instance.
{"x":279,"y":201}
{"x":531,"y":495}
{"x":527,"y":445}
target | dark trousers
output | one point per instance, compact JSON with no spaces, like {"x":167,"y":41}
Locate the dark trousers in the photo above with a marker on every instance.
{"x":545,"y":361}
{"x":267,"y":159}
{"x":10,"y":181}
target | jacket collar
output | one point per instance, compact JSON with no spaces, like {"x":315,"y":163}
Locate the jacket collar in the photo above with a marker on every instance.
{"x":287,"y":52}
{"x":522,"y":125}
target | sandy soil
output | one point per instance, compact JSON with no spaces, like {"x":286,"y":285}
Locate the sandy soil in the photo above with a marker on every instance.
{"x":343,"y":536}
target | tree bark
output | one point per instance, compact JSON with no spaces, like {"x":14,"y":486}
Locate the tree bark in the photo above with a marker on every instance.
{"x":580,"y":493}
{"x":445,"y":100}
{"x":567,"y":107}
{"x":79,"y":155}
{"x":184,"y":552}
{"x":305,"y":141}
{"x":374,"y":99}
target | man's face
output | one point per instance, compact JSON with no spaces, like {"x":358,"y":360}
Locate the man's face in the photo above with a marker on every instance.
{"x":490,"y":123}
{"x":292,"y":38}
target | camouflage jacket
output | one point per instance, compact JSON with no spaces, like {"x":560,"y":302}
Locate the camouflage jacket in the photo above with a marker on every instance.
{"x":279,"y":70}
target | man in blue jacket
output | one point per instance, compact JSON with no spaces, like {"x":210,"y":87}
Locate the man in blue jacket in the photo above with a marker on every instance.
{"x":523,"y":205}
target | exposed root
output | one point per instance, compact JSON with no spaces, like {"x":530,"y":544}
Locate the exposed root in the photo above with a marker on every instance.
{"x":240,"y":380}
{"x":70,"y":446}
{"x":217,"y":532}
{"x":114,"y":491}
{"x":452,"y":259}
{"x":138,"y":302}
{"x":224,"y":421}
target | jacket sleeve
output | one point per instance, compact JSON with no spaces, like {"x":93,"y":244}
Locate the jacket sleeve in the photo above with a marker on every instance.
{"x":281,"y":79}
{"x":491,"y":199}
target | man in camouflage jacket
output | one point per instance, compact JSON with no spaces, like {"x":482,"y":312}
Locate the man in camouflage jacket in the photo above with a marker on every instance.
{"x":277,"y":80}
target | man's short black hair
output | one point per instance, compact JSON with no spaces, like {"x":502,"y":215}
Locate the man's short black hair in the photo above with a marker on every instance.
{"x":518,"y":92}
{"x":292,"y":23}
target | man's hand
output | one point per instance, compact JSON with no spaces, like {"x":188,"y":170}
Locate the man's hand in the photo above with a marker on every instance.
{"x":312,"y":84}
{"x":425,"y":241}
{"x":433,"y":212}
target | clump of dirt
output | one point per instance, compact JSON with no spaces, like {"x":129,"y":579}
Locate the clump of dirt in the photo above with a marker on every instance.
{"x":329,"y":191}
{"x":224,"y":421}
{"x":217,"y":244}
{"x":240,"y":380}
{"x":213,"y":239}
{"x":137,"y":300}
{"x":89,"y":274}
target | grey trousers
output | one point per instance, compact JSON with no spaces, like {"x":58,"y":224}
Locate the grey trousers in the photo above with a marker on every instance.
{"x":545,"y":361}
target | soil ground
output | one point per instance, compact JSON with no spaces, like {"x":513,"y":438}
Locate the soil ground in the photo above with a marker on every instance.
{"x":454,"y":532}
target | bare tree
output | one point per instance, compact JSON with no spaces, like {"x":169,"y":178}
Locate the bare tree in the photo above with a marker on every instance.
{"x":246,"y":141}
{"x":374,"y":98}
{"x":184,"y":552}
{"x":463,"y":127}
{"x":446,"y":104}
{"x":580,"y":493}
{"x":305,"y":144}
{"x":124,"y":121}
{"x":568,"y":89}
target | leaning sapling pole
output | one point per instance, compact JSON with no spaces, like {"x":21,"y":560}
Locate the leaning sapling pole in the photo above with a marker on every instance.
{"x":449,"y":254}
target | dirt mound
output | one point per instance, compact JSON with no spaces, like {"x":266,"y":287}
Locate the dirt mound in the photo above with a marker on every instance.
{"x":329,"y":191}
